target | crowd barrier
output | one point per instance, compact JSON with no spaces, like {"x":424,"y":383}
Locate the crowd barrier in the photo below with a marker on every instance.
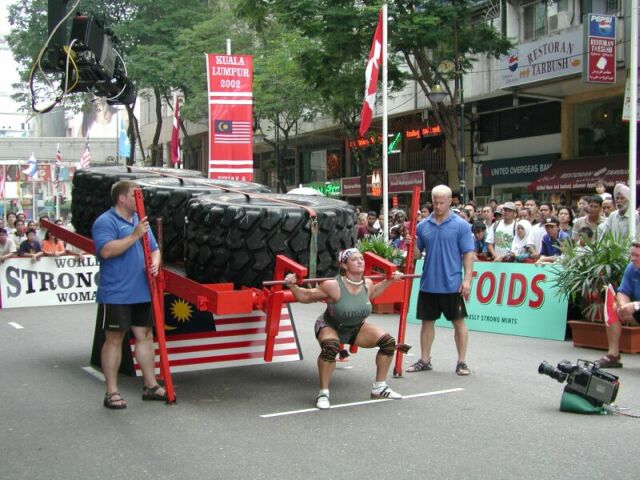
{"x":509,"y":298}
{"x":49,"y":281}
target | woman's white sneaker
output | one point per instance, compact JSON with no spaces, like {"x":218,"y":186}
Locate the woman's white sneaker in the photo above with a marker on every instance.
{"x":384,"y":391}
{"x":322,"y":400}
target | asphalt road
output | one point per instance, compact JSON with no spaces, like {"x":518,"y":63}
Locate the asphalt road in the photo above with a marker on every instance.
{"x":502,"y":423}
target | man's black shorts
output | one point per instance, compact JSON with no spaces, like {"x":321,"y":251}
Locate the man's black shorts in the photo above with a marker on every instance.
{"x":116,"y":317}
{"x":432,"y":305}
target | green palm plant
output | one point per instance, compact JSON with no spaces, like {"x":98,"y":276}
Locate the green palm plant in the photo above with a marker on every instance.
{"x":376,"y":244}
{"x":583,"y":273}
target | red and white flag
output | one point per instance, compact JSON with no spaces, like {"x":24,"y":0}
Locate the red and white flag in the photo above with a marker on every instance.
{"x":85,"y":159}
{"x":175,"y":135}
{"x":371,"y":76}
{"x":610,"y":313}
{"x":58,"y":166}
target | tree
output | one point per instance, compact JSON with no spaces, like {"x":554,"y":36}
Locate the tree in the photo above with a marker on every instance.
{"x":150,"y":36}
{"x":282,"y":97}
{"x":440,"y":41}
{"x":28,"y":34}
{"x":338,"y":34}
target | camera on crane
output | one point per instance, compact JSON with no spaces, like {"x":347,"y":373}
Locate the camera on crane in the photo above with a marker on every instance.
{"x":86,"y":57}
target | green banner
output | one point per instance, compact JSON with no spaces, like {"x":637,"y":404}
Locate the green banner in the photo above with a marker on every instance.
{"x":509,"y":298}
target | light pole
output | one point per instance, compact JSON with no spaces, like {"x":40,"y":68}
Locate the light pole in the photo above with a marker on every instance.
{"x":463,"y":166}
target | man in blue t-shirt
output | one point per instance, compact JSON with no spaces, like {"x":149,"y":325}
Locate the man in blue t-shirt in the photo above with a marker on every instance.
{"x":552,"y":241}
{"x":627,"y":307}
{"x":124,"y":300}
{"x":448,"y":244}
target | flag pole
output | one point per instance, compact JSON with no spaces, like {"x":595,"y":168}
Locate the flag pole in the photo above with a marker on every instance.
{"x":633,"y":118}
{"x":385,"y":128}
{"x":33,"y":196}
{"x":57,"y":169}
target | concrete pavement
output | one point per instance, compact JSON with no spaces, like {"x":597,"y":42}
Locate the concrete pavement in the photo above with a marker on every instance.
{"x":504,"y":423}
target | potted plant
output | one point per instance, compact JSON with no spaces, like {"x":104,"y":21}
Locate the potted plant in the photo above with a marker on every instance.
{"x":376,"y":244}
{"x":583,"y":274}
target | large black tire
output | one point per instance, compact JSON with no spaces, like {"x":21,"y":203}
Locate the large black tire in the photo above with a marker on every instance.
{"x":168,"y":198}
{"x":91,"y":194}
{"x":235,"y":238}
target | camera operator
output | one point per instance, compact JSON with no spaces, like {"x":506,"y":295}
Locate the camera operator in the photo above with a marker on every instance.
{"x":627,"y":307}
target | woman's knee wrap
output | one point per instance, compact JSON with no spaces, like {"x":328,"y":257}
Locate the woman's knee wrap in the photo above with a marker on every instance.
{"x":329,"y":348}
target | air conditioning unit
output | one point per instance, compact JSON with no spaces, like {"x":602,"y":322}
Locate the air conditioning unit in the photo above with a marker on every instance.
{"x":559,"y":21}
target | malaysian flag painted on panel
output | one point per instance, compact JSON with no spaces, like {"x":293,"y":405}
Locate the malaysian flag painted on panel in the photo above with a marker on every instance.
{"x":238,"y":340}
{"x":229,"y":131}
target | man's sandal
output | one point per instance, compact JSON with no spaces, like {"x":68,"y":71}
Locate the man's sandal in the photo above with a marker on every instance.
{"x":609,"y":361}
{"x":151,"y":393}
{"x":420,"y":366}
{"x":114,"y":403}
{"x":462,"y":369}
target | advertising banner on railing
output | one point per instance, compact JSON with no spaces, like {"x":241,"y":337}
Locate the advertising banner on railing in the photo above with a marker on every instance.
{"x":229,"y":79}
{"x":509,"y":298}
{"x":50,"y":281}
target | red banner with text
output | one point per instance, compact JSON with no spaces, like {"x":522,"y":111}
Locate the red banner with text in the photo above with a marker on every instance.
{"x":229,"y":79}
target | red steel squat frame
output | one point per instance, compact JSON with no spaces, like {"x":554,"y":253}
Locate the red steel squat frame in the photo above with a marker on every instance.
{"x":223,"y":299}
{"x":156,"y":288}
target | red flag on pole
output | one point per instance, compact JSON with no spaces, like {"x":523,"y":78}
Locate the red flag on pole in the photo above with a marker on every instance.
{"x":371,"y":76}
{"x":175,"y":135}
{"x":58,"y":166}
{"x":610,"y":314}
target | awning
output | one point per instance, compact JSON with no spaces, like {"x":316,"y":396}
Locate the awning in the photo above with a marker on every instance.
{"x":583,"y":173}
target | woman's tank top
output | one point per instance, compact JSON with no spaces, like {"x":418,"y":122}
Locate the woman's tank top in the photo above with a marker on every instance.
{"x":350,"y":310}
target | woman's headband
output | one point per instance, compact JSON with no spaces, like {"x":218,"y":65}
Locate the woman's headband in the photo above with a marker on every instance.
{"x":345,"y":254}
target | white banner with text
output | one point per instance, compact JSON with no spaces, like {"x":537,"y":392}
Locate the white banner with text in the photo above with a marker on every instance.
{"x":49,"y":281}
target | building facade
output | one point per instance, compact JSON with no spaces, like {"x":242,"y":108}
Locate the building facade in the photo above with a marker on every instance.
{"x":527,"y":115}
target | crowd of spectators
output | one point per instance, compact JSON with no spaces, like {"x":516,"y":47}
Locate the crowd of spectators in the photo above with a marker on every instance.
{"x":31,"y":240}
{"x":523,"y":230}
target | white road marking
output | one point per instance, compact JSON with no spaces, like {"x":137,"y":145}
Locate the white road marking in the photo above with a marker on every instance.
{"x":15,"y":325}
{"x":94,"y":373}
{"x":366,"y":402}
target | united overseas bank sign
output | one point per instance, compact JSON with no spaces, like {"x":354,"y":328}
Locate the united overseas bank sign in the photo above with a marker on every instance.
{"x":516,"y":170}
{"x":550,"y":57}
{"x":49,"y":281}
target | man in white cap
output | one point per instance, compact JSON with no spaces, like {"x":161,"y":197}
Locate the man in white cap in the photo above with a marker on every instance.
{"x":501,"y":234}
{"x":618,"y":221}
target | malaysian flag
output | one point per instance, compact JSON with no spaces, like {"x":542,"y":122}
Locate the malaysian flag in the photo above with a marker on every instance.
{"x":232,"y":132}
{"x":233,"y":341}
{"x":85,"y":159}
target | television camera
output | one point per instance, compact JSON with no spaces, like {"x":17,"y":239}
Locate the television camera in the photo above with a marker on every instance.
{"x":584,"y":380}
{"x":86,"y":56}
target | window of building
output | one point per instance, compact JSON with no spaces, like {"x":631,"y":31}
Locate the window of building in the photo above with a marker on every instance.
{"x":534,"y":19}
{"x":543,"y":17}
{"x":607,"y":7}
{"x":599,"y":129}
{"x":529,"y":121}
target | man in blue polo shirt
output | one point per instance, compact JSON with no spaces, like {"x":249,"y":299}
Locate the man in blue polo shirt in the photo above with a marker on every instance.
{"x":627,"y":307}
{"x":448,"y":244}
{"x":124,"y":300}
